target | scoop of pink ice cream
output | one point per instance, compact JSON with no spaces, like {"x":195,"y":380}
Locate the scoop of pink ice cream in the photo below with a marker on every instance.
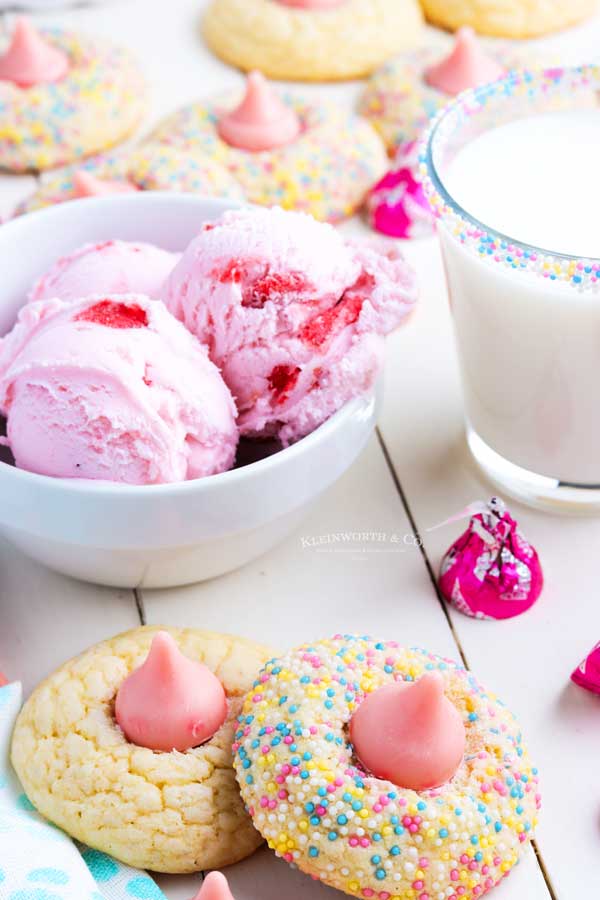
{"x":292,"y":314}
{"x":110,"y":267}
{"x":113,"y":388}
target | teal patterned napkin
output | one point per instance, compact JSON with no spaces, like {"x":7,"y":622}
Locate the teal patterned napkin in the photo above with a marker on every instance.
{"x":40,"y":862}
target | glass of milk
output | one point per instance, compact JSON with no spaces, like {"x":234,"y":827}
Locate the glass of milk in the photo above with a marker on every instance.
{"x":512,"y":171}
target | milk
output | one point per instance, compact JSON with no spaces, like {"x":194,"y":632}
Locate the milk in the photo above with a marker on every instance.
{"x":530,"y":347}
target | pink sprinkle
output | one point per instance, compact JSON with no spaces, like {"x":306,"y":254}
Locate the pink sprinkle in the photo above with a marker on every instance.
{"x":288,"y":857}
{"x":365,"y":842}
{"x":353,"y":842}
{"x":472,"y":866}
{"x":464,"y":859}
{"x":368,"y":892}
{"x":331,"y":788}
{"x":413,"y":829}
{"x":263,"y":802}
{"x":423,"y":862}
{"x":286,"y":769}
{"x":288,"y":739}
{"x":423,"y":896}
{"x":283,"y":795}
{"x":497,"y":860}
{"x":320,"y":810}
{"x":313,"y":729}
{"x":272,"y":804}
{"x":378,"y":807}
{"x":418,"y":885}
{"x":265,"y":749}
{"x":485,"y":788}
{"x":339,"y":781}
{"x":454,"y":875}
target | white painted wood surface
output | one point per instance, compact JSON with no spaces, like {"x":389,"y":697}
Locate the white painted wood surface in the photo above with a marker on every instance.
{"x":298,"y":592}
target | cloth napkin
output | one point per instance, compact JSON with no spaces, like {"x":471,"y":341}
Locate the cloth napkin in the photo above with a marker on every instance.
{"x":40,"y":862}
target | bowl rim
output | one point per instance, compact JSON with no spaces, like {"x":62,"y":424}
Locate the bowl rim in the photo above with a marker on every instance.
{"x":230,"y":477}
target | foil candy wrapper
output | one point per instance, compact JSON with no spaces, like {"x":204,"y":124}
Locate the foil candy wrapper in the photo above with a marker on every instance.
{"x":491,"y":571}
{"x":587,"y":674}
{"x":397,"y":205}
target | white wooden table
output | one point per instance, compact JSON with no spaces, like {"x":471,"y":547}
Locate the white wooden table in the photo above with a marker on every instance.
{"x":415,"y":473}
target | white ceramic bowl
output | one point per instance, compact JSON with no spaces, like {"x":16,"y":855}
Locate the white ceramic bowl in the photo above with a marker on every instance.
{"x":163,"y":535}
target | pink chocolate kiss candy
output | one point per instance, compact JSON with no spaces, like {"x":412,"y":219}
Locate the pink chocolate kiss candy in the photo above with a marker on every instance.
{"x":262,"y":121}
{"x":587,"y":675}
{"x":30,"y":59}
{"x":491,"y":571}
{"x":214,"y":887}
{"x":397,"y":205}
{"x":410,"y":734}
{"x":170,"y":702}
{"x":87,"y":185}
{"x":467,"y":66}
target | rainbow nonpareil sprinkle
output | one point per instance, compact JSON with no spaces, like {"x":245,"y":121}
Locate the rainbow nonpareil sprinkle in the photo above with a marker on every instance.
{"x":519,"y":94}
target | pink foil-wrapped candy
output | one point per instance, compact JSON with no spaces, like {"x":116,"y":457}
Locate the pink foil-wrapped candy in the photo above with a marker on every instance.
{"x":491,"y":571}
{"x":587,"y":675}
{"x":397,"y":205}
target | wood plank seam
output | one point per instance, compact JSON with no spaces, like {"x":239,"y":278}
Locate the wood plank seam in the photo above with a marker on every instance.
{"x":430,"y":571}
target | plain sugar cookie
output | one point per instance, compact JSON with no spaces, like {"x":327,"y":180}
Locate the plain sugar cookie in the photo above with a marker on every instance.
{"x":348,"y":40}
{"x":165,"y":811}
{"x":509,"y":18}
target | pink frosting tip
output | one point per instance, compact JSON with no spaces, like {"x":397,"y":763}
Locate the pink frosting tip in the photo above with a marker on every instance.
{"x":214,"y":887}
{"x":491,"y":571}
{"x":312,"y":4}
{"x":87,"y":185}
{"x":262,"y":121}
{"x":170,"y":702}
{"x":587,"y":675}
{"x":409,"y":734}
{"x":466,"y":66}
{"x":30,"y":59}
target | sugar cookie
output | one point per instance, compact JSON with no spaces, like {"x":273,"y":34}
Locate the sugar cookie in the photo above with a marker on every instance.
{"x":319,"y":808}
{"x":150,"y":167}
{"x":325,"y":170}
{"x":346,"y":39}
{"x":509,"y":18}
{"x":169,"y":812}
{"x":405,"y":93}
{"x":64,"y":96}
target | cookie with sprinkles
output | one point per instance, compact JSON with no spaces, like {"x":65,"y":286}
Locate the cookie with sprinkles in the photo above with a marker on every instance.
{"x":454,"y":833}
{"x":283,"y":151}
{"x":64,"y":96}
{"x":150,"y":167}
{"x":408,"y":91}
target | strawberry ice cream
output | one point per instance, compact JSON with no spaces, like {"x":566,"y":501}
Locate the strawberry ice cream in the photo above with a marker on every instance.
{"x":110,"y":267}
{"x":292,"y":313}
{"x":113,"y":388}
